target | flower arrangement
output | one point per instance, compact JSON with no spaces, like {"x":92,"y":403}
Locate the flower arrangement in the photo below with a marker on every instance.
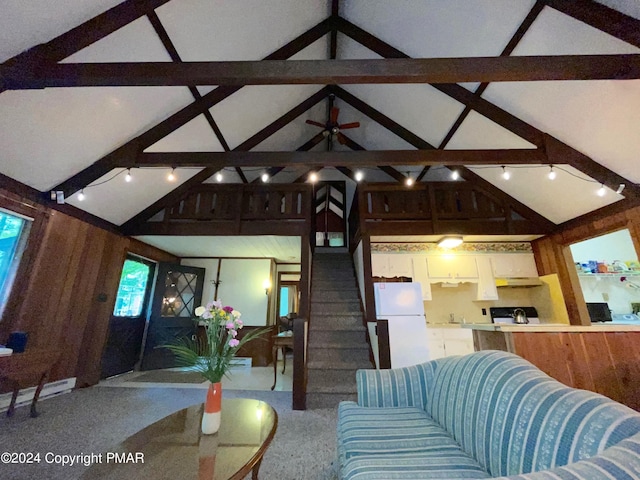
{"x":212,"y":355}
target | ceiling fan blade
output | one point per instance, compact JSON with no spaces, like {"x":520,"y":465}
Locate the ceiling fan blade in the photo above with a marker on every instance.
{"x":349,"y":125}
{"x":333,"y":116}
{"x":317,"y":124}
{"x":341,"y":138}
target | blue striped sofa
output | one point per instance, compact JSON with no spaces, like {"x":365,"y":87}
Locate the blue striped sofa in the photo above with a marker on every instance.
{"x":485,"y":415}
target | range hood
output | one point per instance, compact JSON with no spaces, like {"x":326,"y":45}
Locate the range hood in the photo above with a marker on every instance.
{"x":518,"y":282}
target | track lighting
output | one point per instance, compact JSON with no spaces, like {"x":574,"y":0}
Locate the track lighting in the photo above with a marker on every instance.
{"x":602,"y":191}
{"x":505,"y":174}
{"x":171,"y":177}
{"x":264,"y":177}
{"x":455,"y":175}
{"x":358,"y":176}
{"x":81,"y":195}
{"x":218,"y":177}
{"x":409,"y":181}
{"x":552,"y":173}
{"x":620,"y":188}
{"x":313,"y":177}
{"x":128,"y":177}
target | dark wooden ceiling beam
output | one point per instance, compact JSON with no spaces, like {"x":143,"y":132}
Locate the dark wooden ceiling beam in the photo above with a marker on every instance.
{"x":363,"y":158}
{"x":319,"y":72}
{"x":180,"y":118}
{"x":603,"y":18}
{"x":488,"y":109}
{"x":87,"y":33}
{"x":176,"y":194}
{"x":333,"y":38}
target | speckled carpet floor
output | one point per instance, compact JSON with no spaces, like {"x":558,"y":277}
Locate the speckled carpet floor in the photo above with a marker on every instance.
{"x":93,"y":420}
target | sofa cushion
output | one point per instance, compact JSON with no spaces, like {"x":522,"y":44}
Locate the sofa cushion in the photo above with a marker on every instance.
{"x":514,"y":419}
{"x":401,"y":441}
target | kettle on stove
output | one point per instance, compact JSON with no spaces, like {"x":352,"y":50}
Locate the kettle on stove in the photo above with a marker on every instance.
{"x":519,"y":316}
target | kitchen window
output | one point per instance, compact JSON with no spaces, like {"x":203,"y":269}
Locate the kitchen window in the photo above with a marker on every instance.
{"x":14,"y":230}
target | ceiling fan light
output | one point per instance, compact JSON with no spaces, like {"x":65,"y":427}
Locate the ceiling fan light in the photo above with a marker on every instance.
{"x":450,"y":242}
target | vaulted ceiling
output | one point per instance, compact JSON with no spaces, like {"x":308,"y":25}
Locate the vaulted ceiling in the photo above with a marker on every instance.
{"x":576,"y":112}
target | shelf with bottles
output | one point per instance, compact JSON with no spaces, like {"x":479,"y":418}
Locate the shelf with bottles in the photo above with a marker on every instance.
{"x":629,"y":273}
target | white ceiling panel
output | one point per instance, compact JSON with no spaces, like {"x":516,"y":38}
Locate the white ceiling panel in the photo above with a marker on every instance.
{"x":297,"y":132}
{"x":554,"y":33}
{"x":570,"y":195}
{"x":115,"y":200}
{"x":598,"y":118}
{"x":195,"y":136}
{"x":251,"y":109}
{"x":435,"y":28}
{"x":26,"y":23}
{"x":240,"y":30}
{"x":420,"y":108}
{"x":283,"y":249}
{"x":348,"y":49}
{"x":478,"y":132}
{"x":49,"y":135}
{"x":135,"y":42}
{"x":371,"y":135}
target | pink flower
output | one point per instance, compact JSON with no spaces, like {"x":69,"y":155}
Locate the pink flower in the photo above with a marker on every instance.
{"x":228,"y":309}
{"x":217,"y":304}
{"x":234,"y":342}
{"x":233,"y":333}
{"x":230,"y":325}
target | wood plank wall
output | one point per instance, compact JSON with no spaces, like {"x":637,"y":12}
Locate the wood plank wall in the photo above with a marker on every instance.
{"x":604,"y":362}
{"x":551,"y":253}
{"x":68,"y":263}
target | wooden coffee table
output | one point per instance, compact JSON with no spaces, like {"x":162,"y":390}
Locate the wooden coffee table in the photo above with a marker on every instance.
{"x":174,"y":447}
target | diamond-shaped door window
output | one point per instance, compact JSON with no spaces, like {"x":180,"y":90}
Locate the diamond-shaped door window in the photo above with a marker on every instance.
{"x":179,"y":293}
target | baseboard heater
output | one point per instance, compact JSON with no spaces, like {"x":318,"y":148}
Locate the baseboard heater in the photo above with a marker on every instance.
{"x":25,"y":396}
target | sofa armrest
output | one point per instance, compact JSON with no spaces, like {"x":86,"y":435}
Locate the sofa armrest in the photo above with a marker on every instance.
{"x":398,"y":387}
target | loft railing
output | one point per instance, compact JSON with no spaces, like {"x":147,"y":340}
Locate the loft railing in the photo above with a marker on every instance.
{"x":241,"y":202}
{"x":436,"y":207}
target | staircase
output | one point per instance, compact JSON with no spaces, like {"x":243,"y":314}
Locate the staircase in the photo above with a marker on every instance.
{"x":337,"y":338}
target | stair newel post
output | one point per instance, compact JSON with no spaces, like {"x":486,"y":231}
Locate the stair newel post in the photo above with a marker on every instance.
{"x":300,"y":336}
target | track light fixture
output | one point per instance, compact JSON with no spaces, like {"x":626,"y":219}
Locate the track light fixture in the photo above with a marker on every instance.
{"x":552,"y":173}
{"x":313,"y":177}
{"x":409,"y":181}
{"x":505,"y":174}
{"x":602,"y":191}
{"x":218,"y":177}
{"x":172,"y":176}
{"x":455,"y":175}
{"x":81,"y":195}
{"x":128,"y":177}
{"x":358,"y":176}
{"x":264,"y":177}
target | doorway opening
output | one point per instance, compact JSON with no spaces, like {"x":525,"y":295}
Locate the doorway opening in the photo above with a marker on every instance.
{"x":330,"y":213}
{"x":609,"y":276}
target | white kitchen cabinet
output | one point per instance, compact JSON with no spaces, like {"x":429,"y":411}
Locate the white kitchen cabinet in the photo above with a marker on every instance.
{"x":391,"y":266}
{"x":421,"y":276}
{"x":514,"y":265}
{"x":446,"y":342}
{"x":487,"y":289}
{"x":451,"y":268}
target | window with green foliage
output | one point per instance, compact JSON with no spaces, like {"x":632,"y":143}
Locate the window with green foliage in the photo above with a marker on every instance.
{"x":132,"y":292}
{"x":13,"y":235}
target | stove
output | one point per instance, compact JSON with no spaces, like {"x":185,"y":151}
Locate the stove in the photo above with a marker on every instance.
{"x":505,"y":315}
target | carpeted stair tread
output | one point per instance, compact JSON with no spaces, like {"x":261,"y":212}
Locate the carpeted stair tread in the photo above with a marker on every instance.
{"x":320,"y":326}
{"x":339,"y":346}
{"x":333,"y":365}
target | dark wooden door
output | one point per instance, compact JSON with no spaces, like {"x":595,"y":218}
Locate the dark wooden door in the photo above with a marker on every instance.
{"x":177,"y":293}
{"x":126,"y":325}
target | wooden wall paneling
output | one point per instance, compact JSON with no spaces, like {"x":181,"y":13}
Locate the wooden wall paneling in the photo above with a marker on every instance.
{"x":547,"y":351}
{"x":89,"y":367}
{"x":603,"y":372}
{"x":579,"y":362}
{"x":624,"y":352}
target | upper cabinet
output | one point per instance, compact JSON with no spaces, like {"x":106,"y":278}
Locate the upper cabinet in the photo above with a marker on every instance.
{"x":514,"y":265}
{"x":391,"y":266}
{"x":453,"y":268}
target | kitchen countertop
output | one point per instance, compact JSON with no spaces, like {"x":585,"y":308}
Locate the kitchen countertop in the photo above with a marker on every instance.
{"x":553,"y":327}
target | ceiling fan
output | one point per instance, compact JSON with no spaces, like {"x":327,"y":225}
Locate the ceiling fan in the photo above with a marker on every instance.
{"x":332,"y":127}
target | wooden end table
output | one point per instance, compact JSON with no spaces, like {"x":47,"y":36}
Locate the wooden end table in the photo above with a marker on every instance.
{"x":282,"y":340}
{"x":174,"y":446}
{"x":26,"y":369}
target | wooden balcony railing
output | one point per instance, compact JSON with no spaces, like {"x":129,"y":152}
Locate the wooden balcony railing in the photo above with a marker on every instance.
{"x":437,"y":207}
{"x":236,"y":209}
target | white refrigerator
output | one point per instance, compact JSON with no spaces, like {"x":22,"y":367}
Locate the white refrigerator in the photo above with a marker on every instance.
{"x":401,"y":304}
